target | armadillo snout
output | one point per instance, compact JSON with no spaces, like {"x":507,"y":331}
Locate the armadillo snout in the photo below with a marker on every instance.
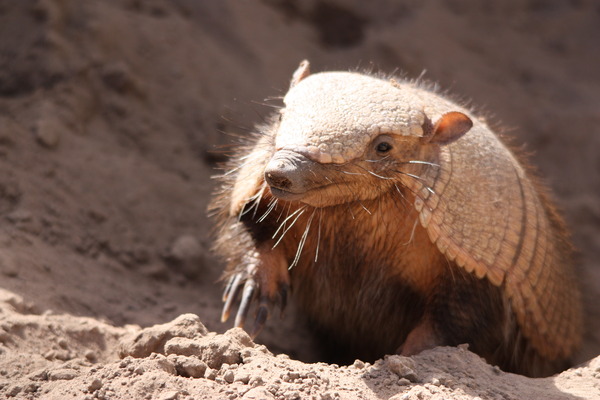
{"x":287,"y":173}
{"x":277,"y":177}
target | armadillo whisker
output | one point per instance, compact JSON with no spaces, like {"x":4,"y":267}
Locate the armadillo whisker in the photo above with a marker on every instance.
{"x":377,"y":161}
{"x":351,"y":173}
{"x":419,"y":179}
{"x":379,"y":176}
{"x":283,"y":210}
{"x":318,"y":235}
{"x":412,"y":233}
{"x":255,"y":203}
{"x":272,"y":205}
{"x":365,"y":208}
{"x":420,"y":162}
{"x":302,"y":240}
{"x":264,"y":103}
{"x":289,"y":227}
{"x":402,"y":197}
{"x":301,"y":209}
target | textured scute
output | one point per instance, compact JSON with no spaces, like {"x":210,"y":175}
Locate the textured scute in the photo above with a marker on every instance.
{"x":331,"y":116}
{"x":487,"y":215}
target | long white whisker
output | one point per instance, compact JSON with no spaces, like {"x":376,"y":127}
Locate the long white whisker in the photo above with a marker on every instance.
{"x":380,"y":160}
{"x":271,"y":207}
{"x":302,"y":241}
{"x":286,"y":219}
{"x":289,"y":227}
{"x":256,"y":200}
{"x":240,"y":166}
{"x":379,"y":176}
{"x":402,"y":198}
{"x":351,"y":173}
{"x":365,"y":208}
{"x":412,"y":233}
{"x":418,"y":178}
{"x":283,"y":209}
{"x":319,"y":235}
{"x":399,"y":191}
{"x":420,"y":162}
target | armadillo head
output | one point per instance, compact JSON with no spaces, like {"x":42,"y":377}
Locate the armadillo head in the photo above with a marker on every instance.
{"x":330,"y":117}
{"x":331,"y":131}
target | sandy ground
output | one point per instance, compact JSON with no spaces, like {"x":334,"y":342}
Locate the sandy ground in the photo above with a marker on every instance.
{"x":112,"y":117}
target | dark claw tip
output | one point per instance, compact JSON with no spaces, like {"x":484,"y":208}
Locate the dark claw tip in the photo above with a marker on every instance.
{"x":228,"y":288}
{"x":261,"y":317}
{"x":284,"y":296}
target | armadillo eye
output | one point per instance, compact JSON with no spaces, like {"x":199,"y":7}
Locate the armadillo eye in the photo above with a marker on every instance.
{"x":383,"y":147}
{"x":382,"y":144}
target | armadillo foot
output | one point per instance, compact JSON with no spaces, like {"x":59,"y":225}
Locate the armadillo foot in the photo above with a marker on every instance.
{"x":252,"y":292}
{"x":422,"y":337}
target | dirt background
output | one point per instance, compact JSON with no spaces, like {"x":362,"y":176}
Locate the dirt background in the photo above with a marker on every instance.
{"x":112,"y":117}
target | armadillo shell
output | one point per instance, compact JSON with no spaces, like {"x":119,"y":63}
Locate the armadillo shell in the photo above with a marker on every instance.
{"x":497,"y":226}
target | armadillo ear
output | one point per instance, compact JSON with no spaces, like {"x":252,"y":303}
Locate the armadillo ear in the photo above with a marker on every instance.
{"x":448,"y":128}
{"x":301,"y":72}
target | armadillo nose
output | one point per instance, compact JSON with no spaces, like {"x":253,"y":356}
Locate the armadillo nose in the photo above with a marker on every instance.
{"x":276,"y":174}
{"x":286,"y":173}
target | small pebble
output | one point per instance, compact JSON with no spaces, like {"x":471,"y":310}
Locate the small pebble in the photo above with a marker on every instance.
{"x":258,"y":393}
{"x":210,"y":374}
{"x":95,"y":385}
{"x":229,"y":376}
{"x":46,"y":133}
{"x":170,"y":395}
{"x":62,"y":374}
{"x":291,"y":395}
{"x":243,"y":377}
{"x":256,"y":381}
{"x":403,"y":367}
{"x":91,"y":356}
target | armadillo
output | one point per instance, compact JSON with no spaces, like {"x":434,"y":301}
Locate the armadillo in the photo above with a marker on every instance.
{"x":398,"y":221}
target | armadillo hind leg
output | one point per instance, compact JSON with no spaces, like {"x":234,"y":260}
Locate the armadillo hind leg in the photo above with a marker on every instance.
{"x":422,"y":337}
{"x":461,"y":309}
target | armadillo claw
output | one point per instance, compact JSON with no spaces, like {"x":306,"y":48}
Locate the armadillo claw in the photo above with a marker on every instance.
{"x":283,"y":295}
{"x":247,"y":297}
{"x":250,"y":293}
{"x":230,"y":294}
{"x":261,"y":318}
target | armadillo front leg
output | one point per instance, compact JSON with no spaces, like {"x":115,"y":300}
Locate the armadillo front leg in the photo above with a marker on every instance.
{"x":262,"y":280}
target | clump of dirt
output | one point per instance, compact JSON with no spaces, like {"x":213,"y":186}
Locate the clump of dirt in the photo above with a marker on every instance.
{"x":112,"y":117}
{"x":77,"y":357}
